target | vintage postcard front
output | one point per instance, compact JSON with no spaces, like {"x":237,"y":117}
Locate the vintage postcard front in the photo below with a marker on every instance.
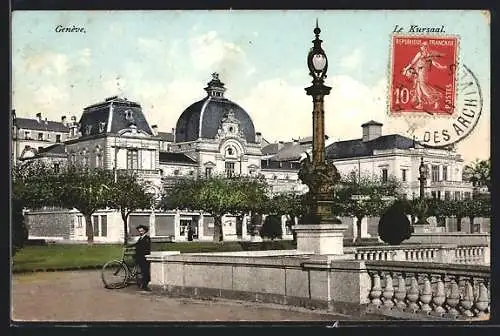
{"x":307,"y":103}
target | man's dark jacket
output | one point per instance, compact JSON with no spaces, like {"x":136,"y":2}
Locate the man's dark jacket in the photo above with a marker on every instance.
{"x":142,"y":247}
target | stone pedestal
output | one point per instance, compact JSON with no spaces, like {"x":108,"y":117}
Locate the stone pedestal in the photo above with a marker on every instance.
{"x":320,"y":238}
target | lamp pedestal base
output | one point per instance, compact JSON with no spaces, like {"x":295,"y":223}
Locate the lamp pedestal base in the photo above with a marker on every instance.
{"x":320,"y":238}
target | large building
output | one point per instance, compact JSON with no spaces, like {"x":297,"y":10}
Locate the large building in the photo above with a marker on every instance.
{"x":217,"y":136}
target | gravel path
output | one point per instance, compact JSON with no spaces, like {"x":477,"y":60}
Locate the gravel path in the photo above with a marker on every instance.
{"x":80,"y":296}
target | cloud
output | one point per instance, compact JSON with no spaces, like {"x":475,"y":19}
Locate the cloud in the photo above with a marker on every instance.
{"x":53,"y":64}
{"x":352,"y":60}
{"x":49,"y":97}
{"x":208,"y":53}
{"x":282,"y":111}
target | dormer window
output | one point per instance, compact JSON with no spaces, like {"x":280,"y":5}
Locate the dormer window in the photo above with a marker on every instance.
{"x":101,"y":127}
{"x":229,"y":151}
{"x":88,"y":129}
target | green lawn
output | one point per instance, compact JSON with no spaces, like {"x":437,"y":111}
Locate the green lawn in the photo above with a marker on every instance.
{"x":59,"y":256}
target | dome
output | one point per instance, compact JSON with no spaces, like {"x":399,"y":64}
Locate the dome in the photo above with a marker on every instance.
{"x":202,"y":119}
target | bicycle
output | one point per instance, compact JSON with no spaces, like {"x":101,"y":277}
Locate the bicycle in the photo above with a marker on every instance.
{"x":119,"y":273}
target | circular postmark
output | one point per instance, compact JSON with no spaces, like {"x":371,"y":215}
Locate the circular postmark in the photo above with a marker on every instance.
{"x":443,"y":130}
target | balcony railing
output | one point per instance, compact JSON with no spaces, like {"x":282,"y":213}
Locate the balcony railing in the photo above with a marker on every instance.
{"x":407,"y":289}
{"x":445,"y":253}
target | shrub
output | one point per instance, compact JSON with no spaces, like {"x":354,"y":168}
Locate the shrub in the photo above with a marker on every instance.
{"x":19,"y":229}
{"x":271,"y":227}
{"x":394,"y":226}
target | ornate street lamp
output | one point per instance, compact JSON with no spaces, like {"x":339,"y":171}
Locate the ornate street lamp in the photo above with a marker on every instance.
{"x":317,"y":174}
{"x":422,"y":207}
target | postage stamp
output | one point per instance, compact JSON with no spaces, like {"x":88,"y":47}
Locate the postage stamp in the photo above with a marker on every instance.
{"x":423,"y":74}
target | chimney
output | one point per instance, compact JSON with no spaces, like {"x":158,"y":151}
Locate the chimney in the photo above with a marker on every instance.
{"x":39,"y":117}
{"x":155,"y":129}
{"x":295,"y":141}
{"x":73,"y":119}
{"x":63,"y":120}
{"x":46,"y":121}
{"x":280,"y":145}
{"x":371,"y":130}
{"x":258,"y":137}
{"x":173,"y":133}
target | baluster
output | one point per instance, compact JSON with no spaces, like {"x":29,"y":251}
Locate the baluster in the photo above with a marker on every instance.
{"x":453,"y":297}
{"x":440,"y":296}
{"x":376,"y":290}
{"x":426,"y":295}
{"x":388,"y":291}
{"x":482,"y":301}
{"x":467,"y":300}
{"x":400,"y":294}
{"x":413,"y":293}
{"x":427,"y":255}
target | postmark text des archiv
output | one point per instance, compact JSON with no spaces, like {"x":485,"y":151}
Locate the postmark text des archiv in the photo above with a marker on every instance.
{"x":69,"y":29}
{"x":418,"y":29}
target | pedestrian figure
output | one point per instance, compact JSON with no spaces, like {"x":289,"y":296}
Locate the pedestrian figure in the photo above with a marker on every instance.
{"x":142,"y":249}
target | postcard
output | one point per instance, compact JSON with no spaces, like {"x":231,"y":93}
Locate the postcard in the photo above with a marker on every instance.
{"x":304,"y":101}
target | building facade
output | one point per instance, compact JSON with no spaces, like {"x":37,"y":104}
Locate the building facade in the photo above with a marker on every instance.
{"x":217,"y":136}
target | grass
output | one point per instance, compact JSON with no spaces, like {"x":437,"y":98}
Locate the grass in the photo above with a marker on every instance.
{"x":77,"y":256}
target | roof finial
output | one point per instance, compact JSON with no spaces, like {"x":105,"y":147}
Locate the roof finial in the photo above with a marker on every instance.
{"x":317,"y":30}
{"x":215,"y":76}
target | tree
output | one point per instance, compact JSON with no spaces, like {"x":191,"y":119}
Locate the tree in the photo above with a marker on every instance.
{"x":218,"y":196}
{"x":85,"y":189}
{"x":479,"y":173}
{"x":288,"y":204}
{"x":128,"y":194}
{"x":31,"y":188}
{"x":366,"y":196}
{"x":394,"y":226}
{"x":271,"y":227}
{"x":474,"y":208}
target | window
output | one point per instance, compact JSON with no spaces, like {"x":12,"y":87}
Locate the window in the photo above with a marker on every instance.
{"x":447,"y":195}
{"x":229,"y":169}
{"x":439,"y":194}
{"x":435,"y":173}
{"x":40,"y":148}
{"x":48,"y":136}
{"x":403,"y":175}
{"x":95,"y":224}
{"x":56,"y":167}
{"x":457,"y":195}
{"x":208,"y":172}
{"x":58,"y":137}
{"x":229,"y":151}
{"x":445,"y":173}
{"x":80,"y":222}
{"x":40,"y":136}
{"x":132,"y":159}
{"x":385,"y":175}
{"x":184,"y":223}
{"x":104,"y":226}
{"x":467,"y":195}
{"x":27,"y":135}
{"x":98,"y":160}
{"x":433,"y":193}
{"x":176,"y":172}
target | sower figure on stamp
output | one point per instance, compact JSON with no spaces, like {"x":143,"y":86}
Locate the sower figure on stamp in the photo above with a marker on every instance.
{"x":142,"y":249}
{"x":417,"y":69}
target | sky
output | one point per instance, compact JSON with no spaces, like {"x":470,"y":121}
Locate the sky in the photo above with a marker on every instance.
{"x":164,"y":59}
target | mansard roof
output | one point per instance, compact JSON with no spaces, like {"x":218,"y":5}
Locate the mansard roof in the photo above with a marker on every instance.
{"x":42,"y":125}
{"x":169,"y":157}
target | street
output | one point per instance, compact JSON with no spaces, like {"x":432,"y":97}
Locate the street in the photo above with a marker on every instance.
{"x":80,"y":296}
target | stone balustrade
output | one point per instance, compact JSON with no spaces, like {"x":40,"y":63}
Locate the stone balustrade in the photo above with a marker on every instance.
{"x":429,"y":289}
{"x":444,"y":253}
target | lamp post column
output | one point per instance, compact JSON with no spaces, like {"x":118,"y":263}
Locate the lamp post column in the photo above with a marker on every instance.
{"x":322,"y":233}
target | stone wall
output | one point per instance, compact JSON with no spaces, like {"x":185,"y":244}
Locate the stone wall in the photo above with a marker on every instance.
{"x":49,"y":224}
{"x":340,"y":286}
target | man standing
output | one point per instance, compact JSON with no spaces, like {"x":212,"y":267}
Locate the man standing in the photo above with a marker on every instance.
{"x":142,"y":249}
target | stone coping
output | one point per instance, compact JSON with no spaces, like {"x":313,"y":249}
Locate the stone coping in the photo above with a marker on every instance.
{"x":429,"y":267}
{"x":412,"y":247}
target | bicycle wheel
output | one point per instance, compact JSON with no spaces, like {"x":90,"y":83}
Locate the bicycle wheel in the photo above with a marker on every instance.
{"x":136,"y":276}
{"x":114,"y":274}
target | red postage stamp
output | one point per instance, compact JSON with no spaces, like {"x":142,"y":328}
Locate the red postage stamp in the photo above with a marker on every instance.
{"x":423,"y":74}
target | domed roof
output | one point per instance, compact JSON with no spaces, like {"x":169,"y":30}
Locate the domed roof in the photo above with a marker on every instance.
{"x":203,"y":118}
